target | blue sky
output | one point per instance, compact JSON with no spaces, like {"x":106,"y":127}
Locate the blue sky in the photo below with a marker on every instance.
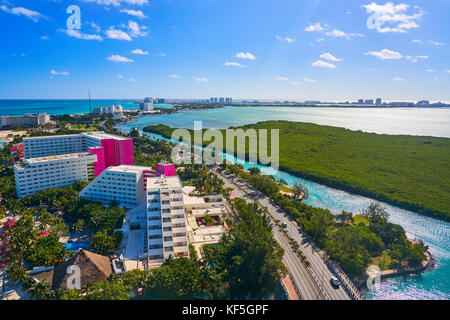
{"x":262,"y":49}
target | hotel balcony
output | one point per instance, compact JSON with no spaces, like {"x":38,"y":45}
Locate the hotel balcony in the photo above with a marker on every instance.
{"x":165,"y":198}
{"x":181,"y":251}
{"x":177,"y":204}
{"x":155,"y":242}
{"x":178,"y":222}
{"x":167,"y":224}
{"x":165,"y":206}
{"x":177,"y":212}
{"x":155,"y":252}
{"x":176,"y":198}
{"x":168,"y":244}
{"x":167,"y":233}
{"x":180,"y":239}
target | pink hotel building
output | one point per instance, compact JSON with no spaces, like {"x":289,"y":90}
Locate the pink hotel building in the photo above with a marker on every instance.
{"x":111,"y":150}
{"x":47,"y":163}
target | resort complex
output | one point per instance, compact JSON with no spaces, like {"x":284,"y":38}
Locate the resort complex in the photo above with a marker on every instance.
{"x":26,"y":120}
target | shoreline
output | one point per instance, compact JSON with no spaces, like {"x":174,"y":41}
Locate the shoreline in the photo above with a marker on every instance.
{"x":386,"y":274}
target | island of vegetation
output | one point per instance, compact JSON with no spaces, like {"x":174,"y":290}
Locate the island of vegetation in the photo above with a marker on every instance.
{"x":411,"y":172}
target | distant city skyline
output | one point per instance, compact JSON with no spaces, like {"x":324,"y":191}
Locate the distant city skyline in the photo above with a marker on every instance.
{"x":303,"y":50}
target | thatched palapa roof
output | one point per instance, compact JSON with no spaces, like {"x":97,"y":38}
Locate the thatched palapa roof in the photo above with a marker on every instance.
{"x":93,"y":267}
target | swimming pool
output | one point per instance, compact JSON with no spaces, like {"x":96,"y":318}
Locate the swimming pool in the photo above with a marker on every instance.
{"x":77,"y":245}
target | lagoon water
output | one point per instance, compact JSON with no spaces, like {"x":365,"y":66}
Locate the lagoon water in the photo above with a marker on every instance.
{"x":409,"y":121}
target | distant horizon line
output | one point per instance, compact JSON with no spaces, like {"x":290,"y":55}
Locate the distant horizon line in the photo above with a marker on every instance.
{"x":207,"y":99}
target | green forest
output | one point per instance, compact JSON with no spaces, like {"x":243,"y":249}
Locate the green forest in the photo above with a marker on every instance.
{"x":408,"y":171}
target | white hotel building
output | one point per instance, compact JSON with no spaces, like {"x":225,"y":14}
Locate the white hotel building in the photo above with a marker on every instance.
{"x":124,"y":184}
{"x":41,"y":173}
{"x":62,"y":144}
{"x":166,"y":220}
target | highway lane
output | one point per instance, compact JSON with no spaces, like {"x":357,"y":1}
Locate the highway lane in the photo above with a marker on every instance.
{"x":317,"y":263}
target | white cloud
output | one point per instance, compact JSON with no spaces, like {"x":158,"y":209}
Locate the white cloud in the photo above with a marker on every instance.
{"x":136,"y":30}
{"x":323,"y":64}
{"x":325,"y":29}
{"x":174,"y":76}
{"x":416,"y":59}
{"x":21,"y":11}
{"x":135,"y":13}
{"x":328,"y":56}
{"x":309,"y":80}
{"x":285,"y":39}
{"x":416,"y":41}
{"x":317,"y":27}
{"x":385,"y":54}
{"x":45,"y":38}
{"x":112,"y":33}
{"x":392,"y":18}
{"x":117,"y":58}
{"x":132,"y":80}
{"x":79,"y":35}
{"x":430,"y":70}
{"x":399,"y":79}
{"x":320,"y":39}
{"x":200,"y":79}
{"x":119,"y":76}
{"x":279,"y":78}
{"x":341,"y":34}
{"x":436,"y":43}
{"x":140,"y":52}
{"x":159,"y":54}
{"x":295,"y":83}
{"x":59,"y":73}
{"x":234,"y":64}
{"x":246,"y":55}
{"x":447,"y":70}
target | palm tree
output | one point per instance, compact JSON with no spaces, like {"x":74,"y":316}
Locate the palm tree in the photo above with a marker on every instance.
{"x":38,"y":290}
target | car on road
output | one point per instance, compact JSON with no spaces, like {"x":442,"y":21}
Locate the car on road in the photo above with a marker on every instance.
{"x":335,"y":283}
{"x":284,"y":225}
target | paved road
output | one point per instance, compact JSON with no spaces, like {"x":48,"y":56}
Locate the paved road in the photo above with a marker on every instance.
{"x":307,"y":286}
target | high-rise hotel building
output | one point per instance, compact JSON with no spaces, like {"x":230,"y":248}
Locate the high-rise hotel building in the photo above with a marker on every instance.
{"x":166,"y":219}
{"x":90,"y":152}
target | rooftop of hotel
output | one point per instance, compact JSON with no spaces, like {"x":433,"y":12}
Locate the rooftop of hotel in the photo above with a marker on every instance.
{"x":163,"y":182}
{"x":96,"y":134}
{"x":46,"y":137}
{"x":128,"y":168}
{"x":66,"y":156}
{"x":103,"y":135}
